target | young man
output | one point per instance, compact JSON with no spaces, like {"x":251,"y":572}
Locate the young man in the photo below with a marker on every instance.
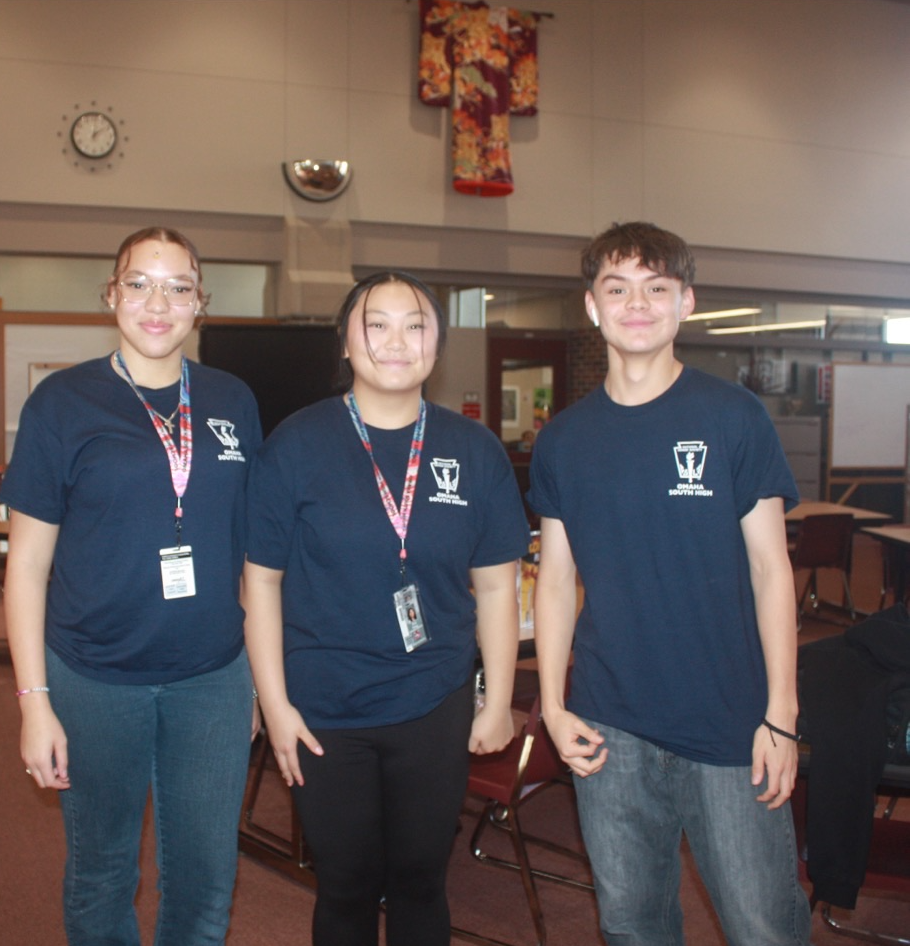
{"x":665,"y":488}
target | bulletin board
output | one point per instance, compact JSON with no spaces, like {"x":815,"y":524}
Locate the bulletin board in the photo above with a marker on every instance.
{"x":868,"y":420}
{"x":34,"y":345}
{"x":29,"y":352}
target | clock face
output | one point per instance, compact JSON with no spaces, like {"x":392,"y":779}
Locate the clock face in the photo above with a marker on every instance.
{"x":94,"y":135}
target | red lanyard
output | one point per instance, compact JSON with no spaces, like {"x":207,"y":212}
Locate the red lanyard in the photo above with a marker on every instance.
{"x":180,"y":461}
{"x":398,"y":518}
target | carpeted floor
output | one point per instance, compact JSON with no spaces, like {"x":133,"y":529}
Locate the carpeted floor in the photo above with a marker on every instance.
{"x":271,"y":909}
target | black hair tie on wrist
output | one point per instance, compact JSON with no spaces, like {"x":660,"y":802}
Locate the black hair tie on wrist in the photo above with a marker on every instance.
{"x":780,"y":732}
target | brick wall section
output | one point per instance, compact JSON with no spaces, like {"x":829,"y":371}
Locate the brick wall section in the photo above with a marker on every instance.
{"x":587,"y":362}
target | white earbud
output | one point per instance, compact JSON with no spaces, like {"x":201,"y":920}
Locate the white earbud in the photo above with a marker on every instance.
{"x":594,"y":318}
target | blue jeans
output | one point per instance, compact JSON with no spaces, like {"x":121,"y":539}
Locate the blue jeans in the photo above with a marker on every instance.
{"x":633,"y":813}
{"x":190,"y":742}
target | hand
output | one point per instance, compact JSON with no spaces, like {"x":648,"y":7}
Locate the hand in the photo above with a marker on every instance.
{"x":286,"y":728}
{"x":492,"y":730}
{"x":43,"y":746}
{"x":578,"y":745}
{"x":778,"y":757}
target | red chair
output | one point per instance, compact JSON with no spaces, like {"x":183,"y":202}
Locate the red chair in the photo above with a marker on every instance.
{"x":823,"y":541}
{"x":288,"y":852}
{"x":894,"y":575}
{"x":507,"y":779}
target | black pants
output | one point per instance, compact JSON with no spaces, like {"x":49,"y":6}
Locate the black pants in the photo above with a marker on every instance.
{"x":379,"y":813}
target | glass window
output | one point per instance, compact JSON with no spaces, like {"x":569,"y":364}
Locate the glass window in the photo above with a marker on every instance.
{"x":64,"y":284}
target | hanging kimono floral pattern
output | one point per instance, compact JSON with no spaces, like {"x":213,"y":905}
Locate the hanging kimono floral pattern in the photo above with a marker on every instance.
{"x":482,"y":62}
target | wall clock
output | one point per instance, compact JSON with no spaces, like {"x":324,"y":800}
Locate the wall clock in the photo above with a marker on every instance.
{"x":93,"y":137}
{"x":94,"y":134}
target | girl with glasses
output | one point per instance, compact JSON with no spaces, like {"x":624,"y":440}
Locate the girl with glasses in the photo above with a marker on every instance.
{"x":127,"y":489}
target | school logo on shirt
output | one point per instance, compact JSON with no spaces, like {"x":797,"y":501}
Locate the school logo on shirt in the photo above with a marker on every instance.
{"x":447,"y":474}
{"x":224,"y":431}
{"x":690,"y":456}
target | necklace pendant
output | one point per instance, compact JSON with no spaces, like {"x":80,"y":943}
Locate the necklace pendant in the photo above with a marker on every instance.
{"x":167,"y":421}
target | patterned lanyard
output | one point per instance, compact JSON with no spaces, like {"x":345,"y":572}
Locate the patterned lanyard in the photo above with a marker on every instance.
{"x":399,"y":519}
{"x":179,"y":462}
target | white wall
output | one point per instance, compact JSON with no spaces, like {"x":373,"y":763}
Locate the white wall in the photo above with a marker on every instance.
{"x":759,"y":125}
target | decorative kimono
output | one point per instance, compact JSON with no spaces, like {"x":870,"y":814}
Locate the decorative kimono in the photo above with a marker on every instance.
{"x":482,"y":62}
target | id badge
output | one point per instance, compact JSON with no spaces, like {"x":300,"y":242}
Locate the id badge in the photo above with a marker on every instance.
{"x":177,"y":577}
{"x":410,"y":618}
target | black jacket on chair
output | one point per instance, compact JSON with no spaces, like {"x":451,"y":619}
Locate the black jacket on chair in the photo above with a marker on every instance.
{"x":846,"y":683}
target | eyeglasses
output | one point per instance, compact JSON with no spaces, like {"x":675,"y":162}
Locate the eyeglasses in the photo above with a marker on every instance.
{"x":179,"y":291}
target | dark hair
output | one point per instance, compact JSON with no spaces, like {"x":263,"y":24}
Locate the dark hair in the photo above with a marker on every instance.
{"x":659,"y":250}
{"x":161,"y":235}
{"x":362,"y":290}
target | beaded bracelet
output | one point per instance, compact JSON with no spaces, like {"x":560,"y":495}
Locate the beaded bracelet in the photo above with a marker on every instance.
{"x":780,"y":732}
{"x":32,"y":690}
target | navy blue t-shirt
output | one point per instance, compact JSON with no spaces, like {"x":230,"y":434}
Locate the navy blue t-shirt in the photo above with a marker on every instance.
{"x":87,"y":458}
{"x":651,"y":497}
{"x":316,"y":514}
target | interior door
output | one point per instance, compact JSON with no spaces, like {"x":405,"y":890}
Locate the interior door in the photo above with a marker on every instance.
{"x":527,"y":383}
